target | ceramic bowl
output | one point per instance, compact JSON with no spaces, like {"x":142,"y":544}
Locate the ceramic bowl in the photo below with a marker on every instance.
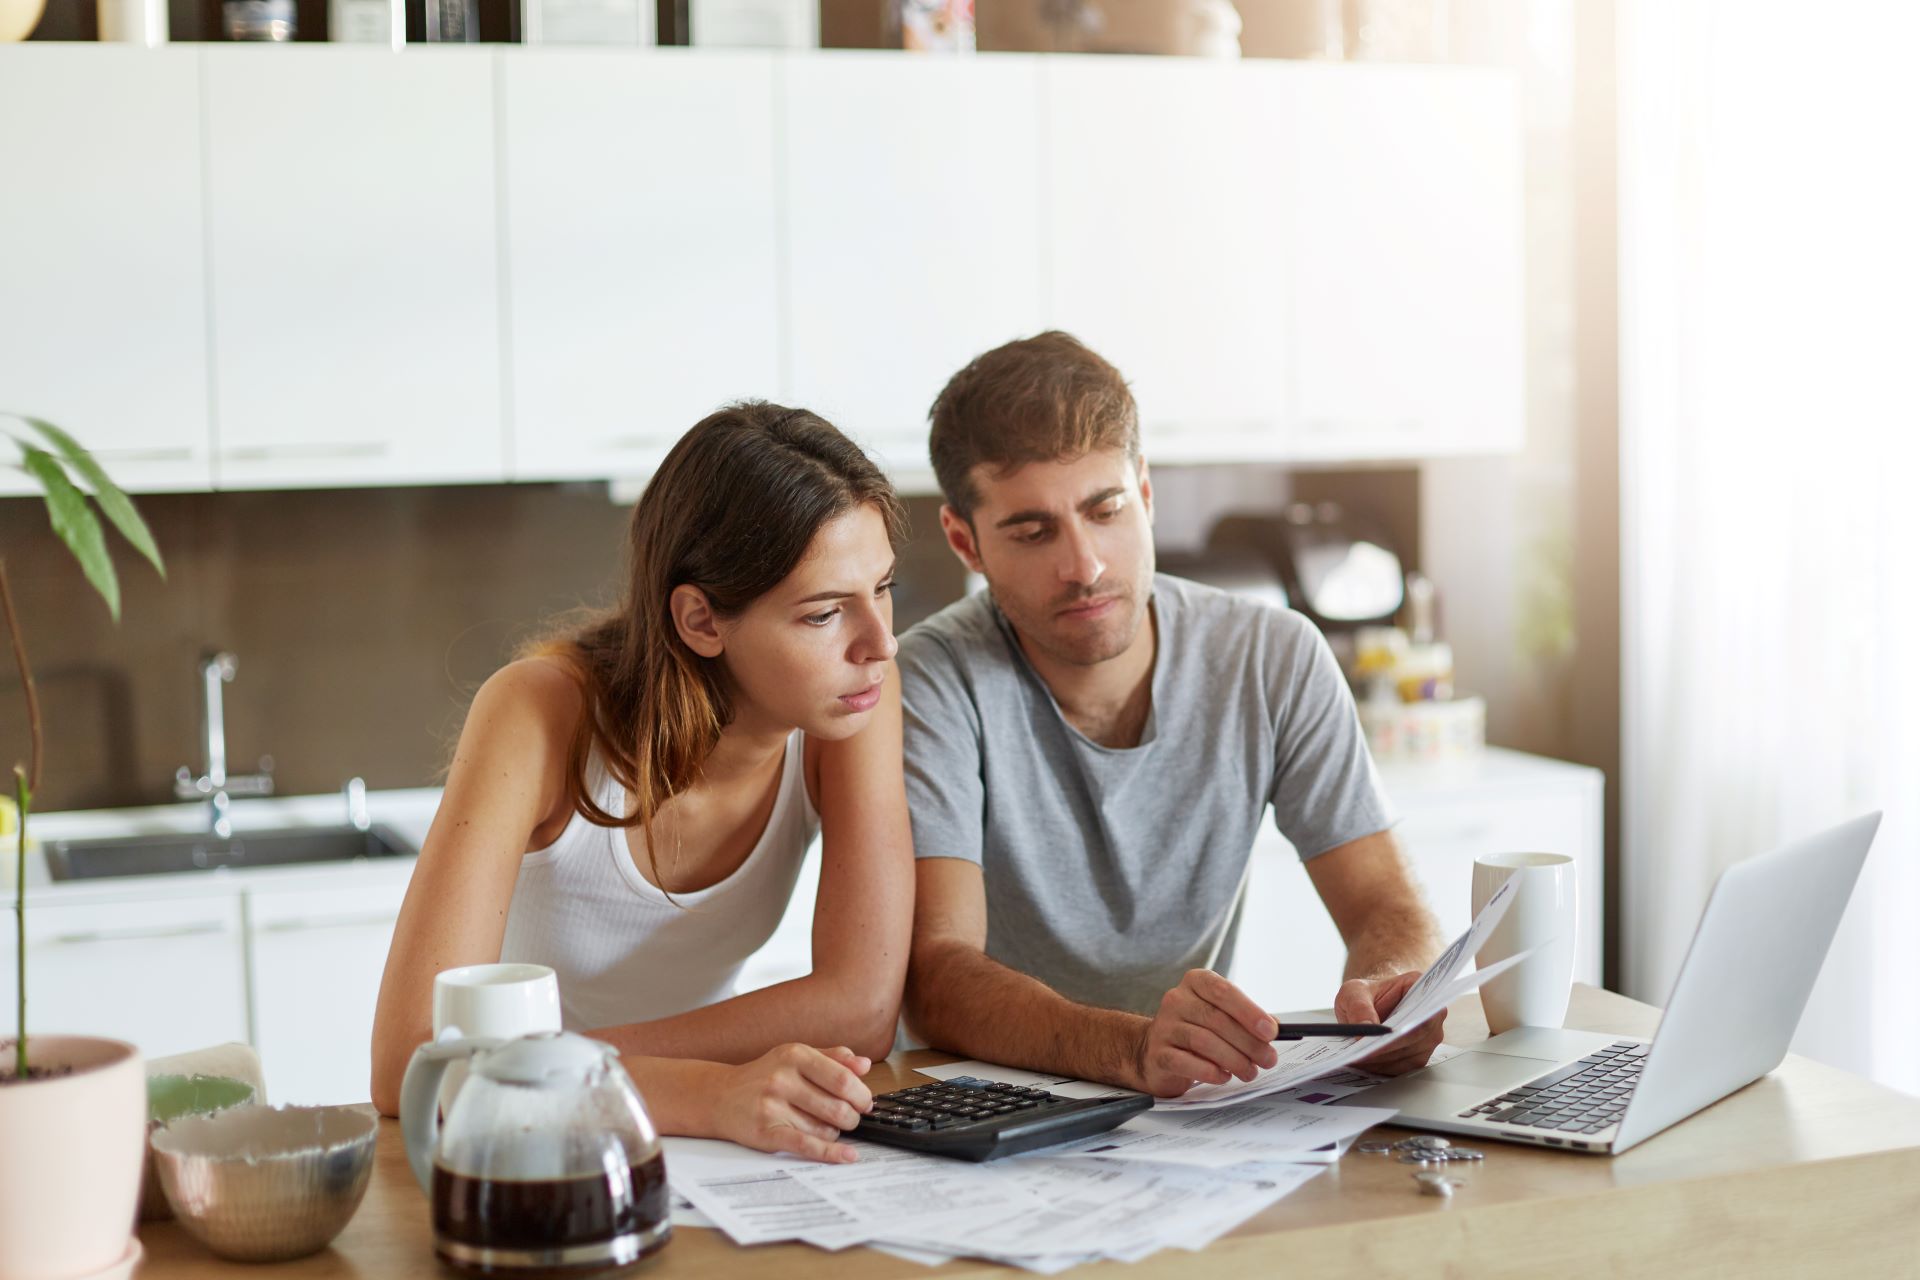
{"x":170,"y":1097}
{"x":265,"y":1184}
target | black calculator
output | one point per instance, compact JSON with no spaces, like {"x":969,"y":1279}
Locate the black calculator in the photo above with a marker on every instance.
{"x":973,"y":1119}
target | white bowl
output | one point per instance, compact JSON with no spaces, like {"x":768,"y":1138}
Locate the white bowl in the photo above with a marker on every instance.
{"x":264,"y":1184}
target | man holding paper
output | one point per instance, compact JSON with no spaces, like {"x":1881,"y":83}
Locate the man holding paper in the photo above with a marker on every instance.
{"x":1090,"y":747}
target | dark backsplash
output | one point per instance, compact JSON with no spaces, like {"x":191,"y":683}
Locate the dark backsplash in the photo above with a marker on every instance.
{"x":363,"y":621}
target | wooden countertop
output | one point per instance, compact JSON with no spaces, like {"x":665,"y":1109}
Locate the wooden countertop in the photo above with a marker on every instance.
{"x":1808,"y":1167}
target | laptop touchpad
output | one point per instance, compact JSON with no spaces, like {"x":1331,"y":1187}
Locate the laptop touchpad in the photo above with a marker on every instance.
{"x":1489,"y":1070}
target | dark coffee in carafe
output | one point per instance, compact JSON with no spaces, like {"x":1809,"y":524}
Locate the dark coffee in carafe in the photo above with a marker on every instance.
{"x":550,"y":1226}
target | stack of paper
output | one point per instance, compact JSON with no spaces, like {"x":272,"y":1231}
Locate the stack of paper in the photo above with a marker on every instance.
{"x":1179,"y":1176}
{"x":1045,"y":1211}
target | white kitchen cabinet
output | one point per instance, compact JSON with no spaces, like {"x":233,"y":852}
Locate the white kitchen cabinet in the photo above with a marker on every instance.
{"x":1169,"y":199}
{"x":1405,"y":290}
{"x":352,"y":231}
{"x":913,"y":223}
{"x":1289,"y":954}
{"x":641,"y":237}
{"x":317,"y":960}
{"x":103,"y":315}
{"x":167,"y":975}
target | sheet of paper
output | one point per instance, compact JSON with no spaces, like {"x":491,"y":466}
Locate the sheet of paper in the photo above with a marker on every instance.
{"x":1105,"y":1208}
{"x":1266,"y":1129}
{"x":1304,"y":1060}
{"x":751,"y":1196}
{"x":897,"y":1194}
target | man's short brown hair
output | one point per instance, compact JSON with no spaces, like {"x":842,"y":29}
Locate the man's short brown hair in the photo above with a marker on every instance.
{"x":1041,"y":399}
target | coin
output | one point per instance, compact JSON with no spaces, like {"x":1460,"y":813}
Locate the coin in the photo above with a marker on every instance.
{"x":1422,"y":1157}
{"x":1373,"y":1147}
{"x":1466,"y":1153}
{"x":1432,"y":1183}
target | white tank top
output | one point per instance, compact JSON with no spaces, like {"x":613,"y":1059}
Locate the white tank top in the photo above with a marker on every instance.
{"x":625,"y":953}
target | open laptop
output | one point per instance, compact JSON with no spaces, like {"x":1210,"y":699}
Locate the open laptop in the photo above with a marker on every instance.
{"x":1739,"y":996}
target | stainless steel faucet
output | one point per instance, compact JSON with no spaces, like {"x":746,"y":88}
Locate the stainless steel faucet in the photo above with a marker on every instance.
{"x":215,"y":786}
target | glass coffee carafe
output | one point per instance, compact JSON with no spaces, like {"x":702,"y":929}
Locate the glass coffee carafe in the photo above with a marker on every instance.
{"x":546,"y":1163}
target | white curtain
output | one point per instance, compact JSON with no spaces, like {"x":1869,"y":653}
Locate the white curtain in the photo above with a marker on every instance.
{"x":1770,"y":479}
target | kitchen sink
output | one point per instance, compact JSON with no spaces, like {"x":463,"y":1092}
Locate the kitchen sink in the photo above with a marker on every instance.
{"x":161,"y":854}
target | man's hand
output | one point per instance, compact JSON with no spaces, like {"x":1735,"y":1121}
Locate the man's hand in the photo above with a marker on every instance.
{"x":1207,"y":1030}
{"x":1371,"y":1000}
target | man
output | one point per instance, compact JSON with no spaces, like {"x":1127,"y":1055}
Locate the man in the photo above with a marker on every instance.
{"x":1090,"y":748}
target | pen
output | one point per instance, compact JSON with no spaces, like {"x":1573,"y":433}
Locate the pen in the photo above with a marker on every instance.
{"x":1297,"y":1030}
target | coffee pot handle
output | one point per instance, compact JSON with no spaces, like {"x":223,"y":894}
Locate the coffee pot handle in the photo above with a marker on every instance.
{"x":420,"y":1098}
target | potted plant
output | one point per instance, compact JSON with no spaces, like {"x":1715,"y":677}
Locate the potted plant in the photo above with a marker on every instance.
{"x":73,"y":1109}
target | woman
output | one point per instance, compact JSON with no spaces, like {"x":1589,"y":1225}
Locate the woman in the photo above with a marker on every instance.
{"x":629,"y":804}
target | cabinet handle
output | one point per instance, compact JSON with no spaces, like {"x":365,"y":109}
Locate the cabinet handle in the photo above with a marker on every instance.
{"x":139,"y":935}
{"x":328,"y":922}
{"x":254,"y":453}
{"x":144,"y":455}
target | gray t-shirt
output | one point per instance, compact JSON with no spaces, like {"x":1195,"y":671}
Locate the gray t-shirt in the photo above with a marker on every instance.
{"x":1110,"y":873}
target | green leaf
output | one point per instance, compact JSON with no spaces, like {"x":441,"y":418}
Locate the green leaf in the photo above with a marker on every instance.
{"x":113,"y":502}
{"x":76,"y":524}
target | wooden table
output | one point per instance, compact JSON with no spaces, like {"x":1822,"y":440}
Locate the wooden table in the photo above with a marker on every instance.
{"x":1807,"y":1171}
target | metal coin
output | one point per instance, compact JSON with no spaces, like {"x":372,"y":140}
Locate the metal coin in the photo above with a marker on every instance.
{"x":1373,"y":1147}
{"x":1437,"y":1184}
{"x":1422,"y":1157}
{"x":1425,"y":1141}
{"x":1466,"y":1153}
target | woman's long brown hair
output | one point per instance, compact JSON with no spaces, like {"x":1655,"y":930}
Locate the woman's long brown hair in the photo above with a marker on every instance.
{"x":731,"y":511}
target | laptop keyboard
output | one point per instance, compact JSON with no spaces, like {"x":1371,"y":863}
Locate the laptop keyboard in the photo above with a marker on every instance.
{"x":1582,"y":1097}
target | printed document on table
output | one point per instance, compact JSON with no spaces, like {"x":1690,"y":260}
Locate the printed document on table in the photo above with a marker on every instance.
{"x":752,"y":1196}
{"x":1266,"y":1129}
{"x":1113,"y":1209}
{"x":895,"y":1194}
{"x":1303,"y":1060}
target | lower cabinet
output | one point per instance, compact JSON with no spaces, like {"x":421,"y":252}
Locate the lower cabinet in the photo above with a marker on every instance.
{"x":317,"y":960}
{"x":166,"y":974}
{"x":294,"y":972}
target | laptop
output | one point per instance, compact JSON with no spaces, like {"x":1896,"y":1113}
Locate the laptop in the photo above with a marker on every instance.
{"x":1735,"y":1004}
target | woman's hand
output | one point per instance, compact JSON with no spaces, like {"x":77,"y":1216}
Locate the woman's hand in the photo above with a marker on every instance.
{"x":795,"y":1099}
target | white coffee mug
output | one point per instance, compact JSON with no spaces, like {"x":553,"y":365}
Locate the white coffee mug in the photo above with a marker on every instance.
{"x":1533,"y":993}
{"x":491,"y":1002}
{"x":496,"y":1001}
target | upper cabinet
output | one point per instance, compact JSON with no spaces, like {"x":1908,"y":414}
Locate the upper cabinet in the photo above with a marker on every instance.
{"x":335,"y":265}
{"x":1406,"y":289}
{"x":913,"y":231}
{"x":1169,"y":198}
{"x":641,"y":243}
{"x":352,"y":231}
{"x":103,"y":315}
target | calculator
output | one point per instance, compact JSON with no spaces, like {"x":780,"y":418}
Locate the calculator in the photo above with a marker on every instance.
{"x":973,"y":1119}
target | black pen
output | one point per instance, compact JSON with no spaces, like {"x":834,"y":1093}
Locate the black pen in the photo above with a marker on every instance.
{"x":1298,"y":1030}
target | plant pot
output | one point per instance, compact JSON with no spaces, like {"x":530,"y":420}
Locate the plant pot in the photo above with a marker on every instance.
{"x":71,"y":1151}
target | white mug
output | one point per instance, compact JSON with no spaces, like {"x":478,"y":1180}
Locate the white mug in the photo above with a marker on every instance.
{"x":496,"y":1001}
{"x":1533,"y":993}
{"x":491,"y":1002}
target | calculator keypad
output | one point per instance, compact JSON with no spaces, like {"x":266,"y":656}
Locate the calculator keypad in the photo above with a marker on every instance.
{"x":958,"y":1102}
